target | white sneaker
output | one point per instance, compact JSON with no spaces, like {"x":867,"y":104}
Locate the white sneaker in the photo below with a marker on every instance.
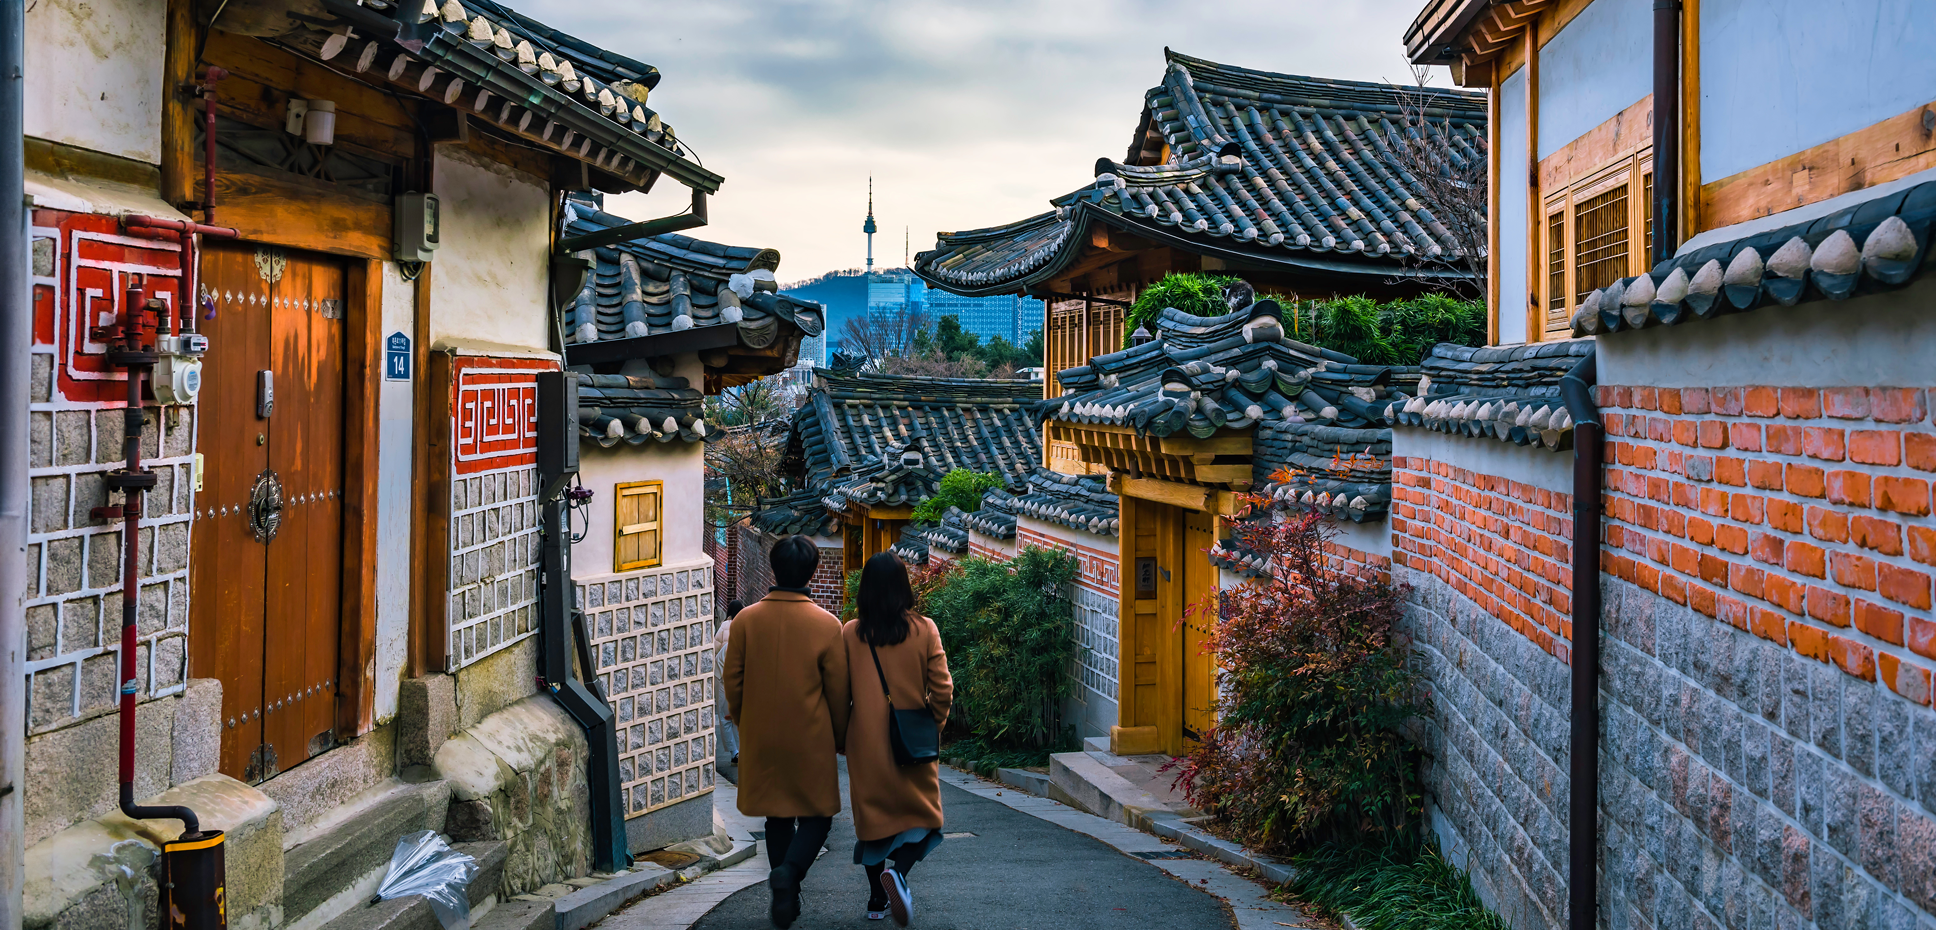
{"x":900,"y":901}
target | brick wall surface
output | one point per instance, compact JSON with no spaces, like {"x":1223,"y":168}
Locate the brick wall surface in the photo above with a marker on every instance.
{"x":755,"y":572}
{"x":1768,"y":748}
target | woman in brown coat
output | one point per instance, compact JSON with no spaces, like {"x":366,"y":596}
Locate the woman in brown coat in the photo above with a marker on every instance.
{"x":897,"y":809}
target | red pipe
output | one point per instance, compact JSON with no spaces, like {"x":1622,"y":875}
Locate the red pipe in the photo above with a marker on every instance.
{"x":183,"y":231}
{"x":137,"y":356}
{"x":209,"y":78}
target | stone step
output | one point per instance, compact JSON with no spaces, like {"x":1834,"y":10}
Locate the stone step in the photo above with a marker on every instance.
{"x":415,"y":913}
{"x":340,"y":864}
{"x":1081,"y":780}
{"x":1035,"y":783}
{"x":519,"y":915}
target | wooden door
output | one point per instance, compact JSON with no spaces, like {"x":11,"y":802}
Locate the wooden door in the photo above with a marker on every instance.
{"x":267,"y":599}
{"x":1198,"y":617}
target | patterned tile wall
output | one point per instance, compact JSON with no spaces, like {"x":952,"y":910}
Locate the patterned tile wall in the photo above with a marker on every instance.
{"x":494,"y":562}
{"x":1096,"y":631}
{"x":652,"y":632}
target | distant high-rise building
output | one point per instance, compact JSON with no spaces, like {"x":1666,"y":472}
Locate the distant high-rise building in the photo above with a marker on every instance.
{"x":855,"y":292}
{"x":1010,"y":317}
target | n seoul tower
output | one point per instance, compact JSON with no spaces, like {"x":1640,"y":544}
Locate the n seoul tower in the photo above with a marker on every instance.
{"x":869,"y":227}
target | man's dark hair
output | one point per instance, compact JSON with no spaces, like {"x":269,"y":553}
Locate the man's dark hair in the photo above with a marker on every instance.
{"x":794,"y":559}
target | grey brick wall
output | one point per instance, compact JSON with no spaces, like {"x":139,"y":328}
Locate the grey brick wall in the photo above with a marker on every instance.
{"x":1742,"y":785}
{"x":1496,"y":745}
{"x":494,"y":561}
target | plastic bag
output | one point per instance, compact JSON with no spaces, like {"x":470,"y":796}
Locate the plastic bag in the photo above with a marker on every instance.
{"x":424,"y":864}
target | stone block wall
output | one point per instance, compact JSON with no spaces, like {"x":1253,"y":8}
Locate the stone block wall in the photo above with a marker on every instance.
{"x":1768,"y":749}
{"x":519,"y":776}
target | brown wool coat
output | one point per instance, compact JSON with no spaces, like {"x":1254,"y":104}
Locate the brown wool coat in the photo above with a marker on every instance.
{"x":785,"y":679}
{"x":888,"y":799}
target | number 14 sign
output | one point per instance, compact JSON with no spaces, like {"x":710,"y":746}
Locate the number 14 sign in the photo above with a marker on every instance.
{"x":396,"y":357}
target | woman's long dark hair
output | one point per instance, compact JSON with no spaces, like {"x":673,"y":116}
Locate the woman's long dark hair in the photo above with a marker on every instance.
{"x":885,"y":600}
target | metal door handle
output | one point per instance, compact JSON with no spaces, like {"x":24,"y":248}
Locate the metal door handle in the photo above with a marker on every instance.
{"x":265,"y":393}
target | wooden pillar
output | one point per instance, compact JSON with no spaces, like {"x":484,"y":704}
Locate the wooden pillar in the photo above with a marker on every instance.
{"x":1535,"y":212}
{"x":1691,"y":219}
{"x":363,"y":378}
{"x":177,"y":116}
{"x":1492,"y":207}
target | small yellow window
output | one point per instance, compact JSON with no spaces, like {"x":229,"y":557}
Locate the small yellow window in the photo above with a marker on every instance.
{"x":639,"y":541}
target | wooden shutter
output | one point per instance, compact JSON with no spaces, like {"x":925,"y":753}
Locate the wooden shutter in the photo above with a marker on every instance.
{"x":1556,"y":315}
{"x":638,"y":542}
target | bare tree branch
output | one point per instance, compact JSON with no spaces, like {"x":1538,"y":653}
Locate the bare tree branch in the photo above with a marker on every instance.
{"x":1445,"y":170}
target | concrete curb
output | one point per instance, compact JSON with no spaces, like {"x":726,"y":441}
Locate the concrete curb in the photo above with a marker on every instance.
{"x":590,"y":904}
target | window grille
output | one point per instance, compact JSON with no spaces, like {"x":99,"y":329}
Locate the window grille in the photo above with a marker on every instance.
{"x":1600,"y":237}
{"x":1556,"y":266}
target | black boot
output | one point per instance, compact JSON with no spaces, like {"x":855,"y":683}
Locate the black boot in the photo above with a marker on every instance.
{"x":786,"y":895}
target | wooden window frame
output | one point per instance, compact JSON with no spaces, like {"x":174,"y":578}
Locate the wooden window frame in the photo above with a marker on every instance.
{"x":619,"y":529}
{"x":1630,"y":171}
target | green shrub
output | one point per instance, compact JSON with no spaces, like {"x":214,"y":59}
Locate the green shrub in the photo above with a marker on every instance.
{"x":1315,"y":686}
{"x":962,"y":488}
{"x":1009,"y":631}
{"x":1200,"y":294}
{"x":1400,"y":332}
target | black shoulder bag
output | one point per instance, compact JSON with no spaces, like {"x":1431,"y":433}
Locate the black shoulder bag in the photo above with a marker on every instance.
{"x":915,"y":736}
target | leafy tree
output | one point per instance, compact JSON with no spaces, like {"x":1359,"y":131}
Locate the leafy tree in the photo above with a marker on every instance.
{"x":1032,"y":349}
{"x":1199,"y":294}
{"x":962,"y":488}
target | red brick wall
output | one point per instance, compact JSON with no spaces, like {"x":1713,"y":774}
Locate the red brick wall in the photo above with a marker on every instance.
{"x":1801,"y":515}
{"x":755,"y":573}
{"x":1507,"y":545}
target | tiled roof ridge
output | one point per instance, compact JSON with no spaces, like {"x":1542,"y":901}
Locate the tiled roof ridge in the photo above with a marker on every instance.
{"x":1508,"y":393}
{"x":637,"y":408}
{"x":1260,"y":175}
{"x":1229,"y":78}
{"x":1878,"y":244}
{"x":512,"y":71}
{"x":670,"y":283}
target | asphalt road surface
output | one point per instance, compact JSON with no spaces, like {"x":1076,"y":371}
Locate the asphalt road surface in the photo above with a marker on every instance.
{"x":1014,"y":873}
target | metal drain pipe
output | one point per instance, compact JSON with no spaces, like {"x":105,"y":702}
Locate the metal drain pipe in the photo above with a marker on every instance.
{"x":16,"y":342}
{"x":1583,"y":787}
{"x":192,"y":864}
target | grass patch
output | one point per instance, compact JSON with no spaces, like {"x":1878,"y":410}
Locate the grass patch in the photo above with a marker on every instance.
{"x":1401,"y":887}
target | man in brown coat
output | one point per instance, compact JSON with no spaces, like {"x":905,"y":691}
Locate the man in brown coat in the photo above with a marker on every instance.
{"x":785,"y":680}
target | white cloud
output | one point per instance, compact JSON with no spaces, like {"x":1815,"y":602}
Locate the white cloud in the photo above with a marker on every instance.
{"x":965,"y":114}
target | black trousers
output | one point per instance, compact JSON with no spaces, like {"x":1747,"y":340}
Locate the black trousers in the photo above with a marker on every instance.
{"x":796,"y":841}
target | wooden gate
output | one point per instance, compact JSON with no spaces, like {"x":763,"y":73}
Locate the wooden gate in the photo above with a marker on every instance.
{"x":1168,"y":691}
{"x":266,"y":582}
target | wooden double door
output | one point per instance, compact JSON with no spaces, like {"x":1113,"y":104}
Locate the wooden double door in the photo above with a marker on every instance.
{"x":1169,"y":696}
{"x":267,"y":566}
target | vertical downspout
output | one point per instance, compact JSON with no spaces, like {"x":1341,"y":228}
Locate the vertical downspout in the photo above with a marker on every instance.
{"x":1667,"y":130}
{"x":1583,"y":787}
{"x":16,"y":339}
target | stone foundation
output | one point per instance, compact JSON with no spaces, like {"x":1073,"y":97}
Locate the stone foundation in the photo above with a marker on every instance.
{"x":519,"y":776}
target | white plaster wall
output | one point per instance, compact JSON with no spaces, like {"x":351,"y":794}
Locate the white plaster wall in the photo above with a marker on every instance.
{"x":395,"y":424}
{"x":1884,"y":339}
{"x":488,"y":279}
{"x":93,"y":75}
{"x":1600,"y":63}
{"x":1372,"y":537}
{"x":681,"y":465}
{"x":1537,"y":467}
{"x":1782,"y":76}
{"x":1059,"y":532}
{"x":1513,"y":212}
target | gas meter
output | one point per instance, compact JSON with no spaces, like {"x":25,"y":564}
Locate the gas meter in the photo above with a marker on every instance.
{"x":178,"y":367}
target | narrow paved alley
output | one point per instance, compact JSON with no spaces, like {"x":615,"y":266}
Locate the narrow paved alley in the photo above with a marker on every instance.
{"x":998,"y":867}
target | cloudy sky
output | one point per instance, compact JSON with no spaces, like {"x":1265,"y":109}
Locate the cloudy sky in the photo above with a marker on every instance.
{"x":966,"y":114}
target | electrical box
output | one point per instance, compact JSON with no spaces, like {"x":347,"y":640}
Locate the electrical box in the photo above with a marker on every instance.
{"x":418,"y":227}
{"x":557,"y":431}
